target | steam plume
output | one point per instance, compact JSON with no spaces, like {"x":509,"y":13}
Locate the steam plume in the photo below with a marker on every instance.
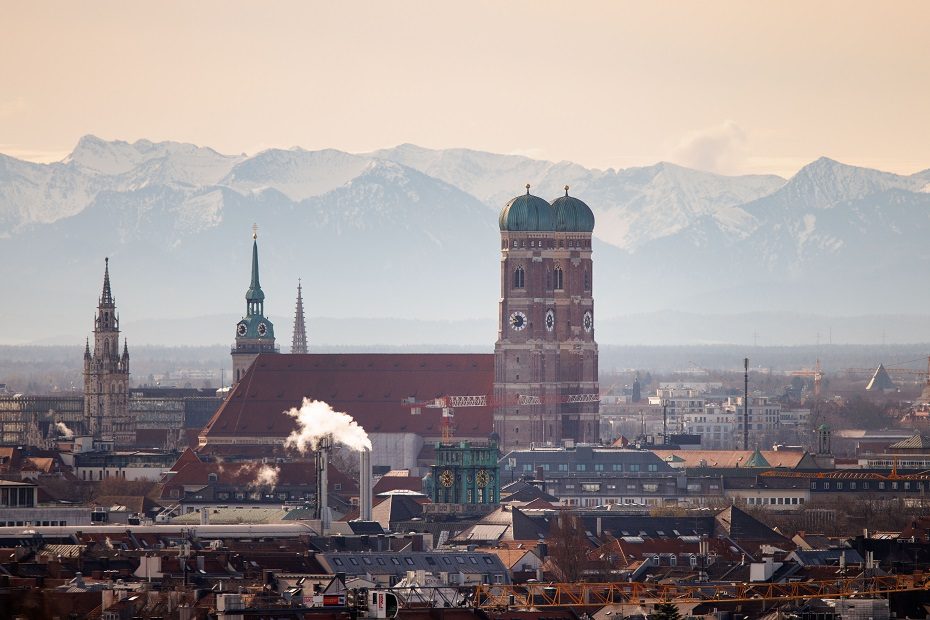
{"x":267,"y":476}
{"x":63,"y":430}
{"x":316,"y":420}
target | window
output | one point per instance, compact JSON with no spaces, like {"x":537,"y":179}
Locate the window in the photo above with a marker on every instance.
{"x":558,"y":278}
{"x":459,"y":559}
{"x":447,"y":560}
{"x":519,"y":278}
{"x":581,"y":467}
{"x":598,"y":467}
{"x":563,"y":466}
{"x":395,"y":561}
{"x":367,"y":561}
{"x":337,"y":561}
{"x":634,"y":467}
{"x":380,"y":561}
{"x":473,"y":559}
{"x":591,"y":488}
{"x":653,"y":467}
{"x":650,"y":488}
{"x":587,"y":280}
{"x":353,"y":561}
{"x":617,"y":467}
{"x":409,"y":561}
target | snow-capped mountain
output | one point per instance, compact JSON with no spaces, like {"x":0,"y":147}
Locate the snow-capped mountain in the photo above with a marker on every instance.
{"x":412,"y":232}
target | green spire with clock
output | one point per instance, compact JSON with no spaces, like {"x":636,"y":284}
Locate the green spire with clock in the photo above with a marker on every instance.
{"x":254,"y":332}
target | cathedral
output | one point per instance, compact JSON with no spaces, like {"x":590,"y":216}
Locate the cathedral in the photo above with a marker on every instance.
{"x":545,"y":357}
{"x":106,"y":375}
{"x":541,"y":382}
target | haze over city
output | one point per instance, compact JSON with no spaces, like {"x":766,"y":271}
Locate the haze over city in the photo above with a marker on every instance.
{"x":478,"y":311}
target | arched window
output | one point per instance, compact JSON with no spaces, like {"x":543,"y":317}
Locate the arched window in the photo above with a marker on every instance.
{"x":559,"y":279}
{"x":548,"y":279}
{"x":519,"y":278}
{"x":587,"y":280}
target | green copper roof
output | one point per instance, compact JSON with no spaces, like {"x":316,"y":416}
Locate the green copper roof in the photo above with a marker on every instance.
{"x":526,"y":213}
{"x":571,"y":215}
{"x":757,"y":460}
{"x":255,"y":289}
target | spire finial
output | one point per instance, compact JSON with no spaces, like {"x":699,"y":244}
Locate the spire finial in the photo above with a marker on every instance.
{"x":566,"y":190}
{"x":107,"y":296}
{"x":254,"y":232}
{"x":527,"y":189}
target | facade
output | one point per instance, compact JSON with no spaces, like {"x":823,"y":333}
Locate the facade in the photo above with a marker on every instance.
{"x":591,"y":476}
{"x":545,"y":354}
{"x":254,"y":333}
{"x":28,"y":419}
{"x":106,"y":375}
{"x":466,"y":473}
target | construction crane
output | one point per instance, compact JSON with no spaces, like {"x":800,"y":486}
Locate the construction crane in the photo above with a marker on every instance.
{"x":816,"y":373}
{"x":538,"y":596}
{"x":449,"y":404}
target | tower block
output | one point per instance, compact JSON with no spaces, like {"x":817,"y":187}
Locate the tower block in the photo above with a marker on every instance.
{"x":545,"y":341}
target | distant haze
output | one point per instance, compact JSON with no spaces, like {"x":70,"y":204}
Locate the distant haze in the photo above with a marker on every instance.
{"x":727,"y":87}
{"x":401,"y":246}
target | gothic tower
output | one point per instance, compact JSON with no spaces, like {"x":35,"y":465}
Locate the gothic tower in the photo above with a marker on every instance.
{"x":106,"y":375}
{"x":299,"y":341}
{"x":545,"y":365}
{"x":254,"y":333}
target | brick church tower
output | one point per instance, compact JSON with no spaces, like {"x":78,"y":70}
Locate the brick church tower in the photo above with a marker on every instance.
{"x":545,"y":345}
{"x":254,"y":333}
{"x":106,"y":375}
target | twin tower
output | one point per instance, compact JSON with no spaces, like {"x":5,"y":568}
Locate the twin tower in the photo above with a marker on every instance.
{"x":545,"y":383}
{"x":545,"y":365}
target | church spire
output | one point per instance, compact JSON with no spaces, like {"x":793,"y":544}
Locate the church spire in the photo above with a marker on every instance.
{"x":107,"y":296}
{"x":299,"y":342}
{"x":255,"y":297}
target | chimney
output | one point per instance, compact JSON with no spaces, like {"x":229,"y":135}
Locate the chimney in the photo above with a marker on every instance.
{"x":364,"y":485}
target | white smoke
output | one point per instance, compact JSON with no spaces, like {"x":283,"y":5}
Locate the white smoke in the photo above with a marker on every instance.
{"x":317,"y":420}
{"x":63,"y":430}
{"x":267,"y":476}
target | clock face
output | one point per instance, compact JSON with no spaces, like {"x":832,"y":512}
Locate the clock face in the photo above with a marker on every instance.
{"x":550,"y":319}
{"x":447,"y":478}
{"x":588,"y":321}
{"x":518,"y":320}
{"x":482,"y":478}
{"x":241,"y":329}
{"x":262,"y":329}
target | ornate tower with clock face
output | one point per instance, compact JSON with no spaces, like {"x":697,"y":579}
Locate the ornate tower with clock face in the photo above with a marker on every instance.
{"x":254,"y":332}
{"x":545,"y":352}
{"x":106,"y":375}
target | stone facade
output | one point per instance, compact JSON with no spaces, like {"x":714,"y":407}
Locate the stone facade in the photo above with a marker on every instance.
{"x":106,"y":375}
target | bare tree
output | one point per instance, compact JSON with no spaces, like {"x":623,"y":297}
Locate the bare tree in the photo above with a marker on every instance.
{"x":568,"y":546}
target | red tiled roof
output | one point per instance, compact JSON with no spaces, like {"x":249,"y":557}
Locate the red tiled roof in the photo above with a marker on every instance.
{"x":369,"y":387}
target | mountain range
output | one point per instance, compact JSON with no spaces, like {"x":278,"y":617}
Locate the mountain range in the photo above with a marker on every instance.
{"x":406,"y":238}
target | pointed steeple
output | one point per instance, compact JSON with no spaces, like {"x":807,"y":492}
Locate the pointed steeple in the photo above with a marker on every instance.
{"x":87,"y":349}
{"x":255,"y":297}
{"x":299,"y":342}
{"x":107,"y":296}
{"x":125,"y":349}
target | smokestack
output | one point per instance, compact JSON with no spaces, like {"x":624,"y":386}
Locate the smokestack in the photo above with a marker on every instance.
{"x":746,"y":404}
{"x":322,"y":482}
{"x":364,"y":485}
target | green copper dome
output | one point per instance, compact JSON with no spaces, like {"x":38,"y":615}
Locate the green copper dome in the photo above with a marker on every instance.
{"x":526,"y":213}
{"x":571,"y":215}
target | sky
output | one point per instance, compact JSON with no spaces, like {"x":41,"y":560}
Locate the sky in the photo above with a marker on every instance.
{"x":730,"y":87}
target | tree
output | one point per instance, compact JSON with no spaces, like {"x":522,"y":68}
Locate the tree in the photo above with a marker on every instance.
{"x":568,"y":547}
{"x":666,"y":611}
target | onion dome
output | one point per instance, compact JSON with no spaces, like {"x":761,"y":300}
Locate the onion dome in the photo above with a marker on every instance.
{"x":571,"y":215}
{"x":526,"y":213}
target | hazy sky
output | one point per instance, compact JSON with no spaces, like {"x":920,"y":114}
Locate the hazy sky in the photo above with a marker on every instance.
{"x":727,"y":86}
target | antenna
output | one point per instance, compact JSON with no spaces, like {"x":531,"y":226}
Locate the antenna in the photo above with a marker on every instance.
{"x":746,"y":403}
